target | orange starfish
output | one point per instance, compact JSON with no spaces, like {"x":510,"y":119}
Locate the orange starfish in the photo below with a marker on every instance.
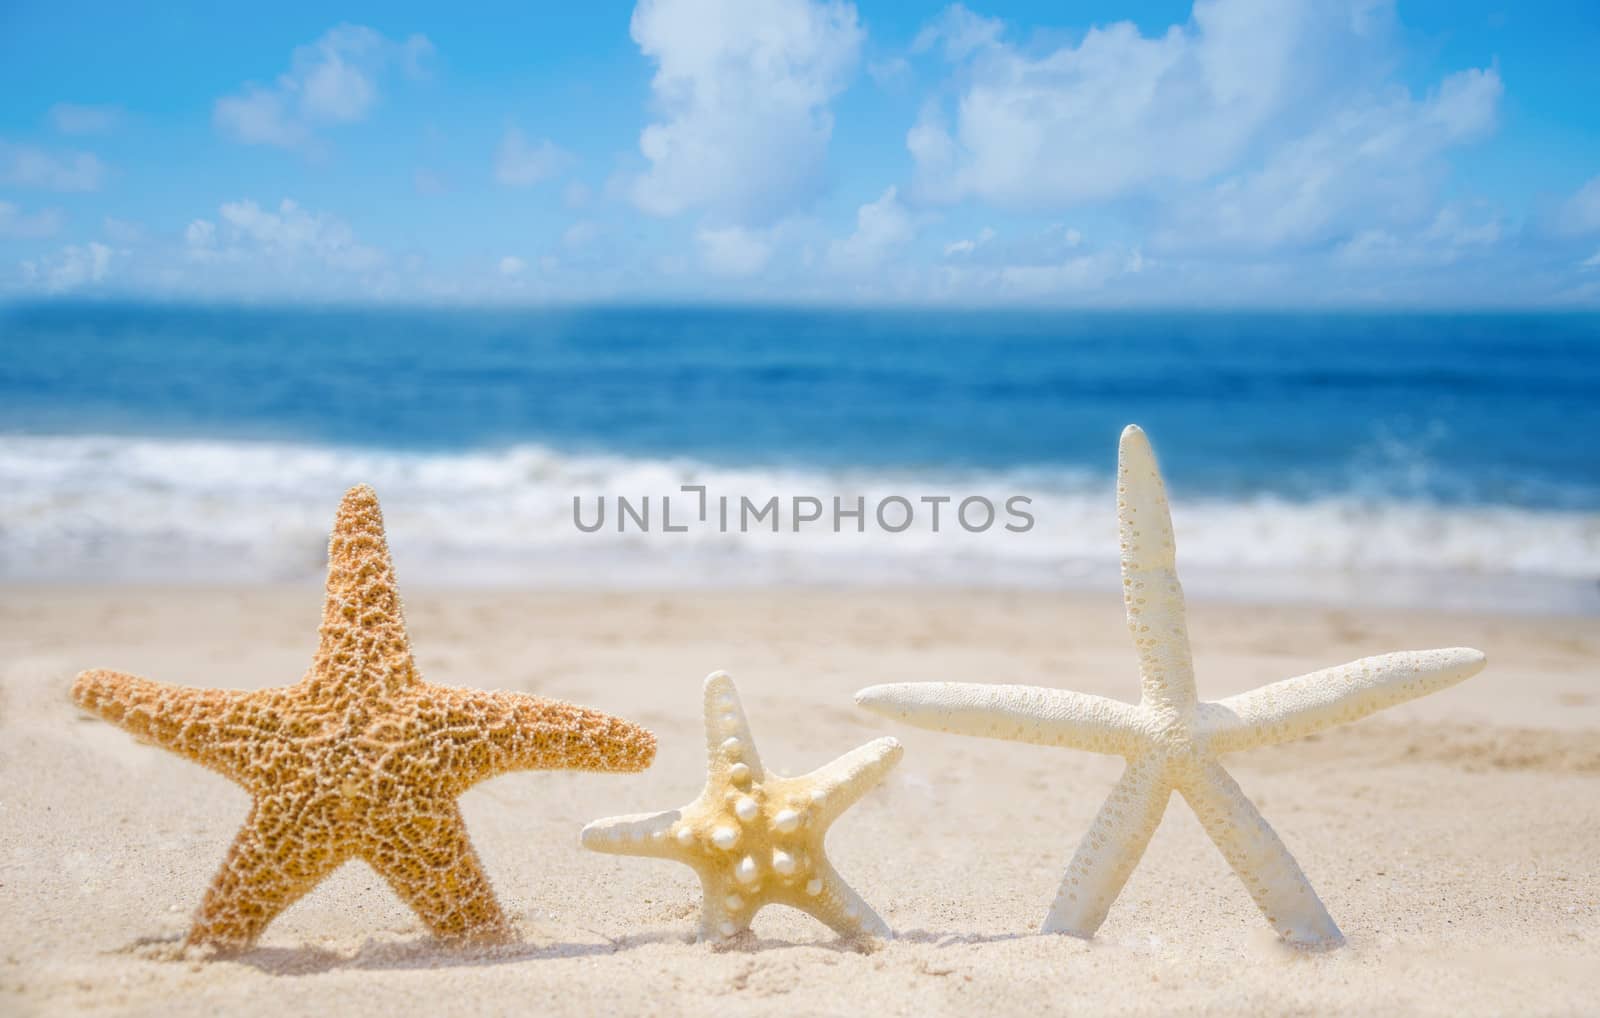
{"x":361,"y":759}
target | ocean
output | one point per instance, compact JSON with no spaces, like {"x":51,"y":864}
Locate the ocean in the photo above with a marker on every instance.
{"x":1423,"y":459}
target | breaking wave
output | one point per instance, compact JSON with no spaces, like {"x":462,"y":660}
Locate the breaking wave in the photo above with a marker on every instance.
{"x":143,"y":509}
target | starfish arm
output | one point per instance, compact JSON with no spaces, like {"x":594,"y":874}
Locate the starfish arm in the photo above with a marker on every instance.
{"x":1106,"y":857}
{"x":728,"y":739}
{"x":476,"y":735}
{"x":363,"y":644}
{"x":837,"y":905}
{"x":836,"y":786}
{"x":424,"y":854}
{"x":724,"y":907}
{"x":1048,"y":717}
{"x":647,"y":834}
{"x":267,"y":869}
{"x":213,"y":727}
{"x":1151,"y":592}
{"x":1254,"y":851}
{"x":1297,"y":707}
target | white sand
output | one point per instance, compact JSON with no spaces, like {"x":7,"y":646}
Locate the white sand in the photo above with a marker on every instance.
{"x":1456,"y":839}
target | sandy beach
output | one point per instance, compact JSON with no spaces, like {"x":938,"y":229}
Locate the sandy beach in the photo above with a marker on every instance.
{"x":1453,"y":838}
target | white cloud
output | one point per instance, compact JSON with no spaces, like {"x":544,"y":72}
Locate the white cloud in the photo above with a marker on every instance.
{"x":253,"y":251}
{"x":1070,"y":279}
{"x":934,"y":152}
{"x":289,"y":237}
{"x":1451,"y":236}
{"x":200,"y":237}
{"x":293,"y":232}
{"x":72,"y":118}
{"x":1372,"y":164}
{"x":511,"y":266}
{"x":1581,"y":213}
{"x":733,"y":251}
{"x":1453,"y":229}
{"x":334,"y":80}
{"x":743,"y":88}
{"x":1119,"y":112}
{"x":1052,"y":265}
{"x":961,"y":31}
{"x":31,"y":166}
{"x":882,"y":227}
{"x":522,"y":163}
{"x":1256,"y":126}
{"x":1592,"y":262}
{"x":968,"y":245}
{"x":260,"y":116}
{"x":1073,"y":275}
{"x":28,"y":225}
{"x":73,"y":268}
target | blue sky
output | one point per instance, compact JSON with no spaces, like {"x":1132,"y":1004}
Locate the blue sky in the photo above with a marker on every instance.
{"x":1226,"y":152}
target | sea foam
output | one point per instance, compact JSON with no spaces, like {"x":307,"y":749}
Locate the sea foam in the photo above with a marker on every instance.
{"x":143,"y":509}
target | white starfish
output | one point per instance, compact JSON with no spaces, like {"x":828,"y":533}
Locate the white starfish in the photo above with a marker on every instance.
{"x":1171,"y":740}
{"x":755,"y":838}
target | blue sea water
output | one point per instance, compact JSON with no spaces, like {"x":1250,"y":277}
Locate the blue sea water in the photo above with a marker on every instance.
{"x":1338,"y":444}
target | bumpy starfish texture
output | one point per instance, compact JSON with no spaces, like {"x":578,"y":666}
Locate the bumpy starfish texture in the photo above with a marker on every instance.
{"x":754,"y":838}
{"x":1170,"y":739}
{"x":361,"y":759}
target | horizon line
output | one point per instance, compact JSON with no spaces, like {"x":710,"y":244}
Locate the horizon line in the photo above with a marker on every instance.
{"x":308,"y":304}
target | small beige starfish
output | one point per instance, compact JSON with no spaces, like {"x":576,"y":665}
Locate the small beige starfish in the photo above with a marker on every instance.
{"x":756,"y":839}
{"x":1170,"y":739}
